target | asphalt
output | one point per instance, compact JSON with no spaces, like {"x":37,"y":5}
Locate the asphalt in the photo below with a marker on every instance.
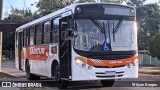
{"x":8,"y":67}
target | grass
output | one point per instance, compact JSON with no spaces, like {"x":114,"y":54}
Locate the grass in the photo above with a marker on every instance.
{"x":150,"y":70}
{"x":4,"y":75}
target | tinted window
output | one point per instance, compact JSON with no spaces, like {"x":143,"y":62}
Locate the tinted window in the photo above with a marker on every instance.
{"x":32,"y":31}
{"x":38,"y":34}
{"x":47,"y":29}
{"x":56,"y":24}
{"x":55,"y":30}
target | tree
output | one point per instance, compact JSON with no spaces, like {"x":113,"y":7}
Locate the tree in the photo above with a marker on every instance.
{"x":154,"y":46}
{"x":47,"y":6}
{"x":16,"y":15}
{"x":20,"y":15}
{"x":83,"y":1}
{"x":136,"y":3}
{"x":148,"y":21}
{"x":113,"y":1}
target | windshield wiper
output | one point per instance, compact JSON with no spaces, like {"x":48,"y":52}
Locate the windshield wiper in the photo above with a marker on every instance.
{"x":99,"y":26}
{"x":117,"y":28}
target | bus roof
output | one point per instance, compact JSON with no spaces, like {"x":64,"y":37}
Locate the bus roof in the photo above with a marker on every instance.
{"x":58,"y":12}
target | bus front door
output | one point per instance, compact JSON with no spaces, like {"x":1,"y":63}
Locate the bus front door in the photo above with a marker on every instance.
{"x":64,"y":51}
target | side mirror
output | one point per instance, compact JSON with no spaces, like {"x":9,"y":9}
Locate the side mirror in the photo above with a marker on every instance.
{"x":68,"y":34}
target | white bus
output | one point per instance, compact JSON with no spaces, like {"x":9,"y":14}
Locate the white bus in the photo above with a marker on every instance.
{"x":93,"y":41}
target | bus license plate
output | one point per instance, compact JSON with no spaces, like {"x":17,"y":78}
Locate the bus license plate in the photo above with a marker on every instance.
{"x":110,"y":73}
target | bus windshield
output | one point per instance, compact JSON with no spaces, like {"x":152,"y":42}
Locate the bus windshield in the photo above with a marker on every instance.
{"x":95,"y":35}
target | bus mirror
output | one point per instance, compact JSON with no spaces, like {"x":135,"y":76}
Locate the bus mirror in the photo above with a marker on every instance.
{"x":68,"y":34}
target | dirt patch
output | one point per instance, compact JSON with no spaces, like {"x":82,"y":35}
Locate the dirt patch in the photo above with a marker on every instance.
{"x":149,"y":72}
{"x":153,"y":72}
{"x":4,"y":75}
{"x":149,"y":68}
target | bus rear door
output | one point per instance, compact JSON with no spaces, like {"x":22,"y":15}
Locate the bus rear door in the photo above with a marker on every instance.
{"x":19,"y":50}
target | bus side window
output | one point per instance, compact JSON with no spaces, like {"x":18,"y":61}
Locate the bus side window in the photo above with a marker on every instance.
{"x":47,"y":29}
{"x":55,"y":30}
{"x":16,"y":39}
{"x":32,"y":31}
{"x":23,"y":37}
{"x":27,"y":37}
{"x":38,"y":34}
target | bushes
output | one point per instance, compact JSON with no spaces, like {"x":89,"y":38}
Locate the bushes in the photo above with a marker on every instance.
{"x":154,"y":46}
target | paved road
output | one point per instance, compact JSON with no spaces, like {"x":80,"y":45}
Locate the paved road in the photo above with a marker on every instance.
{"x":49,"y":84}
{"x":9,"y":67}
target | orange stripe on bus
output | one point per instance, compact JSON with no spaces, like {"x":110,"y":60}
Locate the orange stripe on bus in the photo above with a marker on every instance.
{"x":111,"y":63}
{"x":107,"y":63}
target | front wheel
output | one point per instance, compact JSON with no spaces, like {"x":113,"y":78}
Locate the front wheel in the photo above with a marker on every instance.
{"x":107,"y":83}
{"x":62,"y":84}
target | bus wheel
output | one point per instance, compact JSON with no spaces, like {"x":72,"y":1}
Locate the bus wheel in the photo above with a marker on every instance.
{"x":62,"y":84}
{"x":107,"y":83}
{"x":29,"y":75}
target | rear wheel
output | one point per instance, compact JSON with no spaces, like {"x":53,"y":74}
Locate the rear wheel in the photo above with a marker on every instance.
{"x":107,"y":83}
{"x":29,"y":75}
{"x":62,"y":84}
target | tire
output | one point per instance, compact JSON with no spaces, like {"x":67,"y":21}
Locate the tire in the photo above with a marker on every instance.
{"x":62,"y":84}
{"x":53,"y":70}
{"x":29,"y":75}
{"x":107,"y":83}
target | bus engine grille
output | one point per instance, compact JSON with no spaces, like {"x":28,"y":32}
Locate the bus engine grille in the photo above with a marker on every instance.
{"x":102,"y":74}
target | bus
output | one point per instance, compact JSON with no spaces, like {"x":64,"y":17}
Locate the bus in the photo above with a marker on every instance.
{"x":85,"y":41}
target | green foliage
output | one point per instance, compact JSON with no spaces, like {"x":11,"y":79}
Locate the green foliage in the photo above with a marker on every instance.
{"x":16,"y":15}
{"x":83,"y":1}
{"x":154,"y":46}
{"x":8,"y":40}
{"x":136,"y":3}
{"x":148,"y":20}
{"x":47,"y":6}
{"x":20,"y":15}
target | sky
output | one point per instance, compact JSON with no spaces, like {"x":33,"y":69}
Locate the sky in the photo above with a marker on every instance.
{"x":27,"y":3}
{"x":18,"y":4}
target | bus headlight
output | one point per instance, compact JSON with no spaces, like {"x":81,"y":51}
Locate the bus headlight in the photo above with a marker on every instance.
{"x":78,"y":61}
{"x":83,"y":65}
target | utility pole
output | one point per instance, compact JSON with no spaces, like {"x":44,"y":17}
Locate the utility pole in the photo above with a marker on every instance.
{"x":1,"y":17}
